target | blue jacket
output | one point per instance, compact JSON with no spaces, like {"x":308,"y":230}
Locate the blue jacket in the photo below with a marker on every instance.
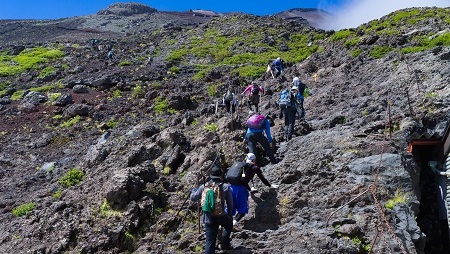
{"x":266,"y":129}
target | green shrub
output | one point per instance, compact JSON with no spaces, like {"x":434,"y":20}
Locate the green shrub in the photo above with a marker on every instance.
{"x":156,"y":85}
{"x":111,"y":123}
{"x":166,"y":170}
{"x":43,"y":89}
{"x":4,"y":85}
{"x":380,"y":51}
{"x":57,"y":194}
{"x":47,"y":71}
{"x":27,"y":60}
{"x":161,"y":105}
{"x":117,"y":93}
{"x":23,"y":209}
{"x":17,"y":95}
{"x":250,"y":71}
{"x":138,"y":92}
{"x":399,"y":198}
{"x":129,"y":241}
{"x":125,"y":63}
{"x":53,"y":96}
{"x":212,"y":89}
{"x":107,"y":211}
{"x":355,"y":53}
{"x":211,"y":127}
{"x":174,"y":69}
{"x":341,"y":35}
{"x":199,"y":75}
{"x":72,"y":178}
{"x":176,"y":55}
{"x":71,"y":122}
{"x":351,"y":42}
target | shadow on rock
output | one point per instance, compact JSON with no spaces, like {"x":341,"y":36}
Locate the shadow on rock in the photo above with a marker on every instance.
{"x":265,"y":214}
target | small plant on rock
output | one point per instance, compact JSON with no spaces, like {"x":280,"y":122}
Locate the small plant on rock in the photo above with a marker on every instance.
{"x":107,"y":212}
{"x":72,"y":178}
{"x":211,"y":127}
{"x":399,"y":198}
{"x":138,"y":92}
{"x":71,"y":122}
{"x":23,"y":209}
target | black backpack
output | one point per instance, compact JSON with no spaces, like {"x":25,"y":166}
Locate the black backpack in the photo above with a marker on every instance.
{"x":255,"y":89}
{"x":235,"y":173}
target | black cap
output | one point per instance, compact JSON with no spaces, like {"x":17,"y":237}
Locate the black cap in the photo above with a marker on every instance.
{"x":215,"y":172}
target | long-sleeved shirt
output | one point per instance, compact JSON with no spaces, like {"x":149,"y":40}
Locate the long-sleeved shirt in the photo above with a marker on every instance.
{"x":227,"y":199}
{"x":248,"y":90}
{"x":266,"y":129}
{"x":250,"y":172}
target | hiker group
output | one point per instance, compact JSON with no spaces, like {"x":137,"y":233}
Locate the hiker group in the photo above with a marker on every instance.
{"x":99,"y":46}
{"x":225,"y":197}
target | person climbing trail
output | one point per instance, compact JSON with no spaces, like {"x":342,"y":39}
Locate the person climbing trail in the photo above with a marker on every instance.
{"x":253,"y":92}
{"x":213,"y":216}
{"x":256,"y":125}
{"x":239,"y":176}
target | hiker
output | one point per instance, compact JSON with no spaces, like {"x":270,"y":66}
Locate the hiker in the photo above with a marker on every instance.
{"x":288,"y":104}
{"x":210,"y":220}
{"x":93,"y":42}
{"x":277,"y":67}
{"x":253,"y":91}
{"x":230,"y":101}
{"x":110,"y":54}
{"x":256,"y":124}
{"x":241,"y":188}
{"x":300,"y":96}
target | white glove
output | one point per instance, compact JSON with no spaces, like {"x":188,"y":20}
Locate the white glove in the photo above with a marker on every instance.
{"x":274,"y":186}
{"x":253,"y":189}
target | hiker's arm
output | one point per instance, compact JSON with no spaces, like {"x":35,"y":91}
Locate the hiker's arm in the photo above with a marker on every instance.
{"x":246,"y":89}
{"x":196,"y":193}
{"x":267,"y":130}
{"x":261,"y":89}
{"x":229,"y":200}
{"x":261,"y":176}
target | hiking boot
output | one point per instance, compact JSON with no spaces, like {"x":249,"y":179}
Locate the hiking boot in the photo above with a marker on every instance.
{"x":236,"y":229}
{"x":225,"y":246}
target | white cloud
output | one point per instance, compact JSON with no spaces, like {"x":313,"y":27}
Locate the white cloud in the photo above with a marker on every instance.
{"x":356,"y":12}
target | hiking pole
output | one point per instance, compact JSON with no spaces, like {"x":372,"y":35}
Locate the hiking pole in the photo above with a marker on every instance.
{"x":181,"y":207}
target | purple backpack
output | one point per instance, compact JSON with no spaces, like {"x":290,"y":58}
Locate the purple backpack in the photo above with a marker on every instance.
{"x":256,"y":121}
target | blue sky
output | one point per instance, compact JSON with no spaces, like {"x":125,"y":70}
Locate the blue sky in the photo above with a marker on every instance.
{"x":349,"y":13}
{"x":51,"y":9}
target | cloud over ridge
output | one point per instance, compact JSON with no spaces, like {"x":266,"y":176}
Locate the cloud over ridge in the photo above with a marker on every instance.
{"x":353,"y":13}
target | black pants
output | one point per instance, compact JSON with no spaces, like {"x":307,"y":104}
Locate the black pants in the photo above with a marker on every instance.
{"x":253,"y":100}
{"x":230,"y":106}
{"x":289,"y":122}
{"x":212,"y":229}
{"x":253,"y":138}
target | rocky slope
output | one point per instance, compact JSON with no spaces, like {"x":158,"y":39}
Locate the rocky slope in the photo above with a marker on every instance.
{"x":99,"y":154}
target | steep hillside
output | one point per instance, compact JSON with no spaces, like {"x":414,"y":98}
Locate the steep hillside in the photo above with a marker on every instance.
{"x":98,"y":155}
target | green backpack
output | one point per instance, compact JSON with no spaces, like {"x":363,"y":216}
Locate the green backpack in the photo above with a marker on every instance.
{"x":212,"y":198}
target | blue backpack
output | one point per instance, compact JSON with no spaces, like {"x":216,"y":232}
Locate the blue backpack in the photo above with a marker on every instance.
{"x":285,"y":99}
